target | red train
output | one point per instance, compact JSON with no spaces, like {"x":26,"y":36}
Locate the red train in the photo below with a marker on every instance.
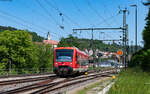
{"x":69,"y":60}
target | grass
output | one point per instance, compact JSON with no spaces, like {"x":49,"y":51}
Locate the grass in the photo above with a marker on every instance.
{"x":84,"y":90}
{"x":131,"y":82}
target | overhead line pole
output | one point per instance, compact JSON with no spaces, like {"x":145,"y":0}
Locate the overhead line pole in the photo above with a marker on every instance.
{"x":92,"y":29}
{"x":125,"y":37}
{"x":120,"y":28}
{"x":112,"y":40}
{"x":136,"y":47}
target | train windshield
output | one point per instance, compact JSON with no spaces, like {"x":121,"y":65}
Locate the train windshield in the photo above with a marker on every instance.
{"x":64,"y":55}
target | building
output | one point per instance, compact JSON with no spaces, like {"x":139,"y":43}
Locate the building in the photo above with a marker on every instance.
{"x":54,"y":43}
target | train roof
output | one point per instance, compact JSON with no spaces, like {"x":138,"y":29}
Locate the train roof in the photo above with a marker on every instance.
{"x":82,"y":52}
{"x":65,"y":48}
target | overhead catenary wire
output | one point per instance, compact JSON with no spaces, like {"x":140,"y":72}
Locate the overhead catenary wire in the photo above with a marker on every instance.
{"x":58,"y":10}
{"x":97,"y":13}
{"x":47,"y":12}
{"x":43,"y":17}
{"x":35,"y":11}
{"x":82,"y":14}
{"x":111,"y":18}
{"x":24,"y":21}
{"x":60,"y":14}
{"x":14,"y":21}
{"x":80,"y":11}
{"x":26,"y":26}
{"x":50,"y":15}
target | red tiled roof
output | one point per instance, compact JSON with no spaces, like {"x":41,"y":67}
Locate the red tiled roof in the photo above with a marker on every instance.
{"x":52,"y":42}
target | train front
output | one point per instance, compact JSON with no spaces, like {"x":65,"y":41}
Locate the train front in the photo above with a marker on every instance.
{"x":63,"y":60}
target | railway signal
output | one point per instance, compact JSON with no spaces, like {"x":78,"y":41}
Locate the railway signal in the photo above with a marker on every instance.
{"x":120,"y":52}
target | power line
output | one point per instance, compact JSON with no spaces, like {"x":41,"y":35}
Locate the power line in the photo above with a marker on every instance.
{"x":17,"y":22}
{"x":14,"y":21}
{"x":24,"y":21}
{"x":60,"y":14}
{"x":42,"y":17}
{"x":47,"y":12}
{"x":82,"y":14}
{"x":35,"y":11}
{"x":58,"y":10}
{"x":80,"y":11}
{"x":110,"y":18}
{"x":106,"y":9}
{"x":96,"y":12}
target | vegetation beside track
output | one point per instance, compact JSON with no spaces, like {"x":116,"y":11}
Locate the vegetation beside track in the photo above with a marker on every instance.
{"x":141,"y":58}
{"x":132,"y":81}
{"x":19,"y":54}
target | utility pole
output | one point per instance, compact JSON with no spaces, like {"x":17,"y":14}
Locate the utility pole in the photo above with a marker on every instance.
{"x":125,"y":38}
{"x":92,"y":41}
{"x":136,"y":47}
{"x":131,"y":47}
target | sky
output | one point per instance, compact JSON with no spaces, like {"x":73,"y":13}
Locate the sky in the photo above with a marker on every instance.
{"x":59,"y":17}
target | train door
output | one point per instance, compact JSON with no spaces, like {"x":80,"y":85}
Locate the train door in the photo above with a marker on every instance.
{"x":78,"y":60}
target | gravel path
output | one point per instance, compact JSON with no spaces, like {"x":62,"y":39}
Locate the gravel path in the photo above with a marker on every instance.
{"x":106,"y":89}
{"x":75,"y":90}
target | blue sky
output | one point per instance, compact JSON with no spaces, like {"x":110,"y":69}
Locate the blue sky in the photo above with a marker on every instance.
{"x":42,"y":16}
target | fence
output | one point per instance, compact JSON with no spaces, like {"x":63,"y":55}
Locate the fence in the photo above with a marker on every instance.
{"x":25,"y":71}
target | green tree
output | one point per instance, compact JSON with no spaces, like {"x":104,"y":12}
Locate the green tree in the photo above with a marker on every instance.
{"x":45,"y":57}
{"x":3,"y":28}
{"x":146,"y":32}
{"x":35,"y":37}
{"x":146,"y":60}
{"x":142,"y":57}
{"x":17,"y":47}
{"x":69,"y":42}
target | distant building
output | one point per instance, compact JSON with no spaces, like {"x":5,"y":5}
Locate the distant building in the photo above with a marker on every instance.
{"x":38,"y":43}
{"x":54,"y":43}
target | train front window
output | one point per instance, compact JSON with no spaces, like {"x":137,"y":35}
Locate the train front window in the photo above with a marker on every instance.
{"x":64,"y":55}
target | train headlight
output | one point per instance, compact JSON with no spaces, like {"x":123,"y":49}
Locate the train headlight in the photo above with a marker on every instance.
{"x":70,"y":63}
{"x":56,"y":63}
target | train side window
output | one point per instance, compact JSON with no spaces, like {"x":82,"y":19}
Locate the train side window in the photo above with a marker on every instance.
{"x":77,"y":57}
{"x":77,"y":61}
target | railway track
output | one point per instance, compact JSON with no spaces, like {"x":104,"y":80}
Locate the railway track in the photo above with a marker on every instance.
{"x":24,"y":80}
{"x":51,"y":85}
{"x":24,"y":75}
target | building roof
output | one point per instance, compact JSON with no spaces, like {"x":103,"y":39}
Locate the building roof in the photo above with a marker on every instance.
{"x":52,"y":42}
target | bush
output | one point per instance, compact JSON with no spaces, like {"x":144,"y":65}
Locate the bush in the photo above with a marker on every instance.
{"x":141,"y":59}
{"x":136,"y":59}
{"x":146,"y":60}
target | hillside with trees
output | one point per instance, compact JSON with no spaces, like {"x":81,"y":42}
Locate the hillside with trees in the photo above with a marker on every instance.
{"x":82,"y":44}
{"x":35,"y":37}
